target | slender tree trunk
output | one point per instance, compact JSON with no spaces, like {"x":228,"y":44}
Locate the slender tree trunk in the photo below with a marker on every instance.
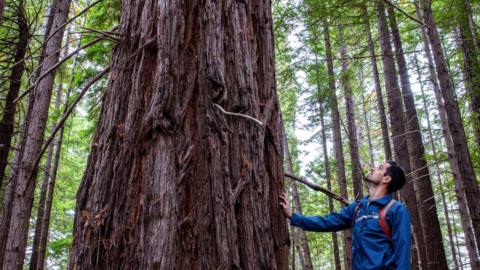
{"x":24,"y":189}
{"x":172,"y":182}
{"x":466,"y":172}
{"x":378,"y":88}
{"x":357,"y":178}
{"x":427,"y":209}
{"x":337,"y":137}
{"x":471,"y":61}
{"x":307,"y":260}
{"x":367,"y":132}
{"x":437,"y":168}
{"x":459,"y":187}
{"x":336,"y":251}
{"x":15,"y":79}
{"x":397,"y":120}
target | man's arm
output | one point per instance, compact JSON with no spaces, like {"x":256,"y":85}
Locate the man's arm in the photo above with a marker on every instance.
{"x":333,"y":222}
{"x":402,"y":238}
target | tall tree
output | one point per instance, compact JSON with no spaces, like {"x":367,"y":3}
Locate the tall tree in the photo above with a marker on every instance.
{"x":15,"y":81}
{"x":357,"y":178}
{"x":471,"y":60}
{"x":336,"y":251}
{"x":431,"y":140}
{"x":397,"y":120}
{"x":22,"y":200}
{"x":467,"y":174}
{"x":426,"y":199}
{"x":337,"y":138}
{"x":172,"y":181}
{"x":378,"y":87}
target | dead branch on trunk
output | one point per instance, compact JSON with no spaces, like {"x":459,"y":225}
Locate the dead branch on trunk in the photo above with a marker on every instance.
{"x":316,"y":187}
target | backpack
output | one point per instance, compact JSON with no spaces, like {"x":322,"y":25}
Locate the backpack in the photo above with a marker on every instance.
{"x":382,"y":217}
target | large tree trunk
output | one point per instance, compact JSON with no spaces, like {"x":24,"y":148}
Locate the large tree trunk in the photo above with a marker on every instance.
{"x":15,"y":79}
{"x":307,"y":260}
{"x":378,"y":88}
{"x":337,"y":138}
{"x":397,"y":120}
{"x":466,"y":172}
{"x":336,"y":251}
{"x":437,"y":167}
{"x":426,"y":199}
{"x":459,"y":187}
{"x":172,"y":182}
{"x":357,"y":178}
{"x":22,"y":200}
{"x":471,"y":60}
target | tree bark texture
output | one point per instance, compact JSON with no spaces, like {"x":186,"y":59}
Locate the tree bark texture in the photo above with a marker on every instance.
{"x":337,"y":137}
{"x":397,"y":120}
{"x":427,"y":209}
{"x":357,"y":178}
{"x":22,"y":200}
{"x":471,"y":62}
{"x":15,"y":79}
{"x":437,"y":169}
{"x":466,"y":172}
{"x":378,"y":88}
{"x":172,"y":182}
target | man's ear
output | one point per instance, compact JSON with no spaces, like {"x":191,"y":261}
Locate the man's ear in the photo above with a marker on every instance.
{"x":386,"y":179}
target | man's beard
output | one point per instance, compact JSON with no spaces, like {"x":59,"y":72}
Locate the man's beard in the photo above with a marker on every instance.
{"x":369,"y":181}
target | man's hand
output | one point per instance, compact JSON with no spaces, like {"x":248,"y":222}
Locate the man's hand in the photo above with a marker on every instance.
{"x":287,"y":210}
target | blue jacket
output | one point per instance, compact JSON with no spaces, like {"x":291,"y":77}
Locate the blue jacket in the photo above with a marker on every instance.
{"x":371,"y":248}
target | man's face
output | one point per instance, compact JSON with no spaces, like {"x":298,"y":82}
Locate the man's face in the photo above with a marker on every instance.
{"x":377,"y":174}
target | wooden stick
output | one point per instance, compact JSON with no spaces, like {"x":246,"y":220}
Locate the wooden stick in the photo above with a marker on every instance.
{"x":238,"y":114}
{"x":318,"y":188}
{"x":406,"y":14}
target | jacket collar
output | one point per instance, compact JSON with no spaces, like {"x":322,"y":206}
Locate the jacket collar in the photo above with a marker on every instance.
{"x":381,"y":201}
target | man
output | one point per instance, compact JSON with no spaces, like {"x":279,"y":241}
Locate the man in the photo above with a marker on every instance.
{"x":375,"y":245}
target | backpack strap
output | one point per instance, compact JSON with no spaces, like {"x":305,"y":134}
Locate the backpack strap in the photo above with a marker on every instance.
{"x":382,"y":217}
{"x":359,"y":204}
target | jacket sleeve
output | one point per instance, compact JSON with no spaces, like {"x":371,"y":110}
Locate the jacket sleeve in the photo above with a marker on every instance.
{"x":402,"y":237}
{"x":333,"y":222}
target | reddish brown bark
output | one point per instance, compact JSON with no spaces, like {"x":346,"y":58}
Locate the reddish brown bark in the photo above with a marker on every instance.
{"x":397,"y":120}
{"x":22,"y":200}
{"x":15,"y":79}
{"x":460,"y":146}
{"x":378,"y":88}
{"x":421,"y":173}
{"x":172,"y":182}
{"x":337,"y":137}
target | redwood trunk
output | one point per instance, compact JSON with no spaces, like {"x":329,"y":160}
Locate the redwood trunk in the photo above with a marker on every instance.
{"x":22,"y":200}
{"x":378,"y":88}
{"x":460,"y":146}
{"x":426,"y":199}
{"x":336,"y":252}
{"x":471,"y":61}
{"x":351,"y":123}
{"x":397,"y":120}
{"x":172,"y":182}
{"x":337,"y":137}
{"x":15,"y":79}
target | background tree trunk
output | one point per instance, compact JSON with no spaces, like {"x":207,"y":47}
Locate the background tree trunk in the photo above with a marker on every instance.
{"x":397,"y":120}
{"x":337,"y":137}
{"x":378,"y":88}
{"x":357,"y":178}
{"x":426,"y":199}
{"x":15,"y":79}
{"x":467,"y":174}
{"x":22,"y":200}
{"x":172,"y":182}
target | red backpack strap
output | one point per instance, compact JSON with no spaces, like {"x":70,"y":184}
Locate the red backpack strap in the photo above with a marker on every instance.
{"x":359,"y":204}
{"x":382,"y":217}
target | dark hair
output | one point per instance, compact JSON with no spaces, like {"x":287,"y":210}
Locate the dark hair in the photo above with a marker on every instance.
{"x":397,"y":175}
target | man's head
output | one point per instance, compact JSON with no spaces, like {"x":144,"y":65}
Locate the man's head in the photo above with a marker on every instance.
{"x":387,"y":174}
